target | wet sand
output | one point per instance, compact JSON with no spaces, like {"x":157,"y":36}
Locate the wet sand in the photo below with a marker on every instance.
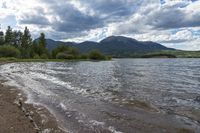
{"x":18,"y":117}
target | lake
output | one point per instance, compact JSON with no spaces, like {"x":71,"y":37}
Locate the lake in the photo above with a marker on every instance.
{"x":119,"y":96}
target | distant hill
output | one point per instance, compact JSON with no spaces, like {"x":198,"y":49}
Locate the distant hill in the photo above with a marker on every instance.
{"x":51,"y":44}
{"x":117,"y":46}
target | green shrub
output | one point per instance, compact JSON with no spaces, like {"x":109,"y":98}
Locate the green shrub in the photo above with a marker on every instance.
{"x":84,"y":56}
{"x":9,"y":51}
{"x":71,"y":52}
{"x":44,"y":56}
{"x":36,"y":56}
{"x":59,"y":49}
{"x":5,"y":59}
{"x":96,"y":55}
{"x":109,"y":58}
{"x":64,"y":56}
{"x":61,"y":56}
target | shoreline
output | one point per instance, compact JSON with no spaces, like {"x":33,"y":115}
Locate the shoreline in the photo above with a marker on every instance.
{"x":16,"y":116}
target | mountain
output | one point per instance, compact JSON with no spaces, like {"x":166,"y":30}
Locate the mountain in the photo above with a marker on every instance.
{"x":51,"y":44}
{"x":87,"y":46}
{"x":123,"y":46}
{"x":117,"y":46}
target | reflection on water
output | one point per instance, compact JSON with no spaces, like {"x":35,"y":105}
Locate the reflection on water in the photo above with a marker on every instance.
{"x":123,"y":95}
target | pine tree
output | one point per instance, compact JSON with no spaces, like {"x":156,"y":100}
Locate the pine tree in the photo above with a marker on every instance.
{"x":34,"y":52}
{"x":26,"y":42}
{"x":42,"y":45}
{"x":17,"y":35}
{"x":42,"y":40}
{"x":26,"y":39}
{"x":1,"y":38}
{"x":9,"y":36}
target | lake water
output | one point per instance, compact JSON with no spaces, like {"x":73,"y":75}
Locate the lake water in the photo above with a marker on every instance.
{"x":119,"y":96}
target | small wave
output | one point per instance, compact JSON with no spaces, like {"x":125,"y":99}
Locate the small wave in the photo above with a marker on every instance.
{"x":97,"y":123}
{"x":113,"y":130}
{"x":63,"y":106}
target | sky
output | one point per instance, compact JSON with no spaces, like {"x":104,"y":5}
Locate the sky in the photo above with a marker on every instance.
{"x":173,"y":23}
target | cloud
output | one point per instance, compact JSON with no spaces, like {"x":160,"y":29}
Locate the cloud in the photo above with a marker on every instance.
{"x":72,"y":20}
{"x":74,"y":16}
{"x":179,"y":37}
{"x":178,"y":15}
{"x":36,"y":17}
{"x":155,"y":16}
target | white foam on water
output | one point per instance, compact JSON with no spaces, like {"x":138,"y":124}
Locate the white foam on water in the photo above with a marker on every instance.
{"x":30,"y":80}
{"x":24,"y":81}
{"x":57,"y":81}
{"x":36,"y":75}
{"x":27,"y":71}
{"x":63,"y":106}
{"x":97,"y":123}
{"x":47,"y":131}
{"x":113,"y":130}
{"x":62,"y":68}
{"x":28,"y":86}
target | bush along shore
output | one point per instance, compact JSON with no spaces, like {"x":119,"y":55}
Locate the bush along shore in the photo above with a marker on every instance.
{"x":19,"y":46}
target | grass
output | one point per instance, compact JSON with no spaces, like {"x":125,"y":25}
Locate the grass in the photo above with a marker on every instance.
{"x":176,"y":54}
{"x":8,"y":60}
{"x":161,"y":54}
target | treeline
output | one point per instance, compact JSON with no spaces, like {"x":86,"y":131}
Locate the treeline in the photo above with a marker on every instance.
{"x":20,"y":44}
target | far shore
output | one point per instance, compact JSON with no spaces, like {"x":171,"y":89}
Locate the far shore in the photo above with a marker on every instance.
{"x":12,"y":60}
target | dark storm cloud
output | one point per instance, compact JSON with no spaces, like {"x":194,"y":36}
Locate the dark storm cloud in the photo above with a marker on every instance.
{"x":174,"y":17}
{"x":36,"y":17}
{"x":112,"y":7}
{"x":35,"y":20}
{"x":71,"y":19}
{"x":107,"y":11}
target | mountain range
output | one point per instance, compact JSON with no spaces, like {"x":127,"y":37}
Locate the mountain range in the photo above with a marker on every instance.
{"x":116,"y":46}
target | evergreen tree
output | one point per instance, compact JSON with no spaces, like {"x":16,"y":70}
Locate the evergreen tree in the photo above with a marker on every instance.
{"x":9,"y":36}
{"x":42,"y":51}
{"x":1,"y":38}
{"x":26,"y":42}
{"x":17,"y":35}
{"x":42,"y":40}
{"x":34,"y":50}
{"x":26,"y":39}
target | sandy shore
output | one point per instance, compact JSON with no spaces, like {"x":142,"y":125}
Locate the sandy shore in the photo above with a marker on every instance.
{"x":18,"y":117}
